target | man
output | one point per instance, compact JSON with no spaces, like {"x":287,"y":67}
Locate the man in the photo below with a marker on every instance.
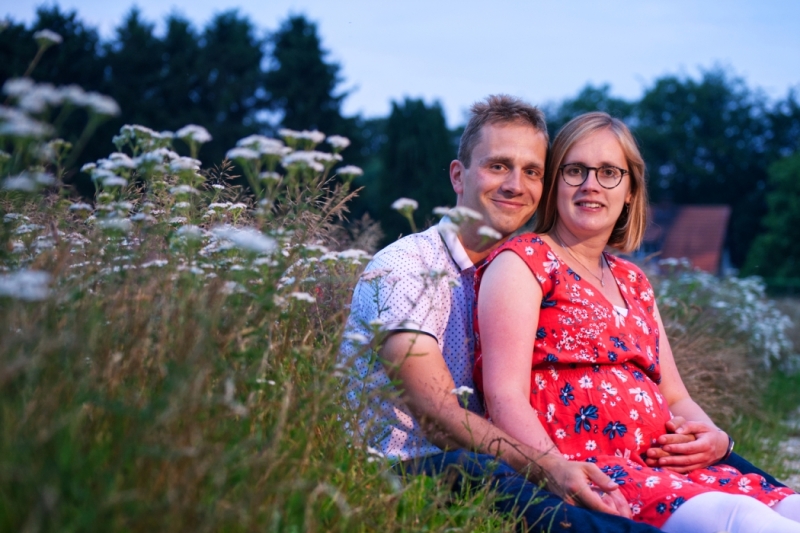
{"x":414,"y":306}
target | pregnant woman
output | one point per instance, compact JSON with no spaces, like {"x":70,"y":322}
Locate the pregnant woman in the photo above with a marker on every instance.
{"x":572,"y":358}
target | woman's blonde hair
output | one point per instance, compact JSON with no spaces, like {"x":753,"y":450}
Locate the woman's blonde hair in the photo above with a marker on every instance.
{"x":630,"y":226}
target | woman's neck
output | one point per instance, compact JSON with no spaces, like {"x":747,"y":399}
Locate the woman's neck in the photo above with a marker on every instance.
{"x":590,"y":249}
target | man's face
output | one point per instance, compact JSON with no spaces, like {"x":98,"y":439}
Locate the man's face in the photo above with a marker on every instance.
{"x":505,"y":177}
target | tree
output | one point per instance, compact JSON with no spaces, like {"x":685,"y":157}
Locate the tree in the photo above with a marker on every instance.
{"x":775,"y":253}
{"x":704,"y":143}
{"x":416,"y":160}
{"x":300,"y":82}
{"x":589,"y":99}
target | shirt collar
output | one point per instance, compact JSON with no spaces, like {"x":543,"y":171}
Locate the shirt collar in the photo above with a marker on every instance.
{"x":454,"y":246}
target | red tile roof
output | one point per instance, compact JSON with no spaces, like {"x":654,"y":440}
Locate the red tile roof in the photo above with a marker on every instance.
{"x":698,"y":233}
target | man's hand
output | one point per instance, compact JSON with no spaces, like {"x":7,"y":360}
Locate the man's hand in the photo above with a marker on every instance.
{"x":584,"y":484}
{"x":688,"y":446}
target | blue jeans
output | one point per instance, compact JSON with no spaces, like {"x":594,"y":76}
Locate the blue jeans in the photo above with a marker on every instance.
{"x":540,"y":510}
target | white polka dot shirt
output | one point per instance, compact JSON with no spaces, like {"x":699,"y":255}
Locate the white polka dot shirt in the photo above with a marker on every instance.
{"x":424,"y":283}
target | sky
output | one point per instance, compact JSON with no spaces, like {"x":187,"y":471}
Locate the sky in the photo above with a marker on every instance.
{"x":457,"y":52}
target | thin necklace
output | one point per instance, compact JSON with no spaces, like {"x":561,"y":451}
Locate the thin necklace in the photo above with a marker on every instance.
{"x":602,"y":269}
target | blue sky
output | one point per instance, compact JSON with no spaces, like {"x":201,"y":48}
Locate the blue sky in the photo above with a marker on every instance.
{"x":459,"y":51}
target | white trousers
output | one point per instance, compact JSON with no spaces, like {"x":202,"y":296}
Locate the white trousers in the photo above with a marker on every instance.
{"x":713,"y":512}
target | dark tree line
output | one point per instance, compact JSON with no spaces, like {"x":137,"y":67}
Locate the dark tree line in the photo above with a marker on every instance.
{"x":706,"y":140}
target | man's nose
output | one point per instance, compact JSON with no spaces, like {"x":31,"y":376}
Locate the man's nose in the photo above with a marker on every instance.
{"x":513,"y":181}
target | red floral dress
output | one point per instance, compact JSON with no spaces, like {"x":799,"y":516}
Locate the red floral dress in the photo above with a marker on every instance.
{"x":594,"y":380}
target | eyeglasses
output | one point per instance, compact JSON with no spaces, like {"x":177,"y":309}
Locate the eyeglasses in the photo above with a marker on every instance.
{"x":575,"y":174}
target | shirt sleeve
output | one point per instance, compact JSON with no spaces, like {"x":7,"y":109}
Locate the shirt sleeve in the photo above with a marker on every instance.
{"x":402,"y":291}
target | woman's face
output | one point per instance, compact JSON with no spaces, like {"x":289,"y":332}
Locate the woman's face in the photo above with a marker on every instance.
{"x":590,"y":210}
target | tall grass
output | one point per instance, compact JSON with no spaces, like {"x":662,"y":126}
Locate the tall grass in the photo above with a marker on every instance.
{"x":168,"y":353}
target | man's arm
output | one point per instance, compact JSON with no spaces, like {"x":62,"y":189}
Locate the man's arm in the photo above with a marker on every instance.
{"x":416,"y":361}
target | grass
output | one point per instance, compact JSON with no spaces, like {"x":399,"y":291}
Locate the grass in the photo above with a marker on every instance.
{"x":759,"y":436}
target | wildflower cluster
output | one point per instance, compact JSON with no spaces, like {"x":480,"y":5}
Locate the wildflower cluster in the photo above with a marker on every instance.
{"x":738,"y":307}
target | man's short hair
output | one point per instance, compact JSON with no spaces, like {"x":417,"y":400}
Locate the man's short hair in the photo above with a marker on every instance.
{"x":497,"y":108}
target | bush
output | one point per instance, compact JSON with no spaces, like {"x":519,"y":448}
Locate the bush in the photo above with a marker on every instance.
{"x":724,"y":334}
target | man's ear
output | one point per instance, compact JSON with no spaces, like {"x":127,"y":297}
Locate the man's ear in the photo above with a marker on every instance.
{"x":457,"y":171}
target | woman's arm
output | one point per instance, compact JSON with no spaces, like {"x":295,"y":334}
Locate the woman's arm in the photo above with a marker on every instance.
{"x":694,"y":440}
{"x":508,"y":312}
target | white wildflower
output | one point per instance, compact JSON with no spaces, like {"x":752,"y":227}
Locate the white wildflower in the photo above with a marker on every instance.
{"x":114,"y":181}
{"x":190,"y":231}
{"x":101,"y":104}
{"x":374,"y":454}
{"x":193,"y":132}
{"x":369,"y":275}
{"x":314,"y":136}
{"x":22,"y":182}
{"x":461,"y":214}
{"x":119,"y":224}
{"x":246,"y":238}
{"x":242,"y":153}
{"x":88,"y":167}
{"x":448,"y":228}
{"x":404,"y":203}
{"x":231,"y":287}
{"x":338,"y":142}
{"x":155,"y":263}
{"x":302,"y":296}
{"x":17,"y":87}
{"x":39,"y":97}
{"x":15,"y":123}
{"x":350,"y":170}
{"x":490,"y":233}
{"x":47,"y":37}
{"x":309,"y":158}
{"x":142,"y":217}
{"x":463,"y":389}
{"x":264,"y":145}
{"x":236,"y":206}
{"x":27,"y":228}
{"x":357,"y":338}
{"x":27,"y":285}
{"x":183,"y":189}
{"x":269,"y":176}
{"x":117,"y":160}
{"x":184,"y":163}
{"x":156,"y":156}
{"x":80,"y":206}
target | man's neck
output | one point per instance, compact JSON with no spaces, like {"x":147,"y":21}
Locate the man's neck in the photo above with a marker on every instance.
{"x":478,"y":247}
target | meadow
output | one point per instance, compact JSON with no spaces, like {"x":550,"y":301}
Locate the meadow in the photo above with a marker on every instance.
{"x":168,"y":350}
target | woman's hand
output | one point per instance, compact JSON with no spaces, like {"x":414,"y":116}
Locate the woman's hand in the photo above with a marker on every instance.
{"x":688,"y":445}
{"x":585,"y":485}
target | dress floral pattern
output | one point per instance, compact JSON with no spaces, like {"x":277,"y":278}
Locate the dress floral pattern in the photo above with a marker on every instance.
{"x":594,"y":379}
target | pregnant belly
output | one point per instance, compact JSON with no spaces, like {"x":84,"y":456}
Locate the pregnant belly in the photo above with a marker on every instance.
{"x":599,"y":410}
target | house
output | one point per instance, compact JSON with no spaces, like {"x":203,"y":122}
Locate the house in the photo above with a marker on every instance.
{"x":696,"y":232}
